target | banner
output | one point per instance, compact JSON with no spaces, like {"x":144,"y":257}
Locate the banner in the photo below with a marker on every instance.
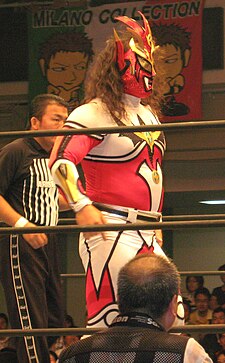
{"x":62,"y":42}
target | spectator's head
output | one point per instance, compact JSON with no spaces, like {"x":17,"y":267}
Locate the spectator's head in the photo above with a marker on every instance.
{"x":222,"y":277}
{"x":68,"y":321}
{"x":8,"y":355}
{"x":70,"y":339}
{"x":218,"y":316}
{"x":4,"y":322}
{"x":187,"y":309}
{"x":149,"y":284}
{"x":220,"y":356}
{"x":193,"y":283}
{"x":221,"y":340}
{"x":213,"y":302}
{"x":202,"y":297}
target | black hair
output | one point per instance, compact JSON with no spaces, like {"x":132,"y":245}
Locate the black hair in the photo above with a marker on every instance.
{"x":5,"y":317}
{"x":203,"y":291}
{"x":219,"y":309}
{"x":147,"y":283}
{"x":40,"y":102}
{"x":199,"y":279}
{"x":222,"y":267}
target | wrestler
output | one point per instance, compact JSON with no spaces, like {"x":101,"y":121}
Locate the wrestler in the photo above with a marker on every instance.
{"x":123,"y":174}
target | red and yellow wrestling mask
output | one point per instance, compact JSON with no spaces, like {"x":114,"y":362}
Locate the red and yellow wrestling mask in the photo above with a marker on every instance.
{"x":135,"y":64}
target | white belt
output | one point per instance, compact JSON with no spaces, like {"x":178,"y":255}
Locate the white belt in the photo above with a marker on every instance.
{"x":131,"y":215}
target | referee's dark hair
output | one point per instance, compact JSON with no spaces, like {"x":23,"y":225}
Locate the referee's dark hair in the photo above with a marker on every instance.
{"x":147,"y":284}
{"x":40,"y":102}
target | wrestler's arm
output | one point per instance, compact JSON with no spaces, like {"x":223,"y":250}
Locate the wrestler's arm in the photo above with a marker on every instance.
{"x":9,"y":216}
{"x":159,"y":237}
{"x":63,"y":205}
{"x":66,"y":177}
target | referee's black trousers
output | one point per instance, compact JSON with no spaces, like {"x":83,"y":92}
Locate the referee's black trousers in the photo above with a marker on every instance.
{"x":31,"y":282}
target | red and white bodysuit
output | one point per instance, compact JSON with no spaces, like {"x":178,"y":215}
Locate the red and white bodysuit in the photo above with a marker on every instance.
{"x":122,"y":173}
{"x":122,"y":169}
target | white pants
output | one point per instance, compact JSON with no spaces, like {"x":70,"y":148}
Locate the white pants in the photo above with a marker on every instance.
{"x":102,"y":260}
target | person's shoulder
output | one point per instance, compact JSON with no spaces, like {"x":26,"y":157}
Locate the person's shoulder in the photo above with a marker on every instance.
{"x":195,"y":353}
{"x":159,"y":339}
{"x":88,"y":115}
{"x":216,"y":289}
{"x":83,"y":109}
{"x":209,"y":314}
{"x":74,"y":349}
{"x":14,"y":148}
{"x":14,"y":145}
{"x":193,"y":317}
{"x":194,"y":313}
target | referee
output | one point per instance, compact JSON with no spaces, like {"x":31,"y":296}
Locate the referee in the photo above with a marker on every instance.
{"x":29,"y":269}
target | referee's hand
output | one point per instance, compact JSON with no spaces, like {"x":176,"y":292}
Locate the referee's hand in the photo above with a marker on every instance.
{"x":35,"y":240}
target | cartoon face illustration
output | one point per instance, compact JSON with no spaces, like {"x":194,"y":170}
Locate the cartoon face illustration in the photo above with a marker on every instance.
{"x":168,"y":61}
{"x":171,"y":55}
{"x":67,"y":70}
{"x":169,"y":64}
{"x":64,"y":60}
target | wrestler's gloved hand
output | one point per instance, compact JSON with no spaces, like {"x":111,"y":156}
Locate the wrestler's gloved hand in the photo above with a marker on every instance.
{"x":90,"y":215}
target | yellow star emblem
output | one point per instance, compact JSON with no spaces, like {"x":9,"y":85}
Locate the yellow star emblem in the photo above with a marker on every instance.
{"x":149,"y":137}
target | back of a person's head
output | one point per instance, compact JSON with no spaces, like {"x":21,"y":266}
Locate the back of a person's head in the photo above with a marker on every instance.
{"x":147,"y":284}
{"x":221,"y":268}
{"x":8,"y":355}
{"x":202,"y":291}
{"x":4,"y":317}
{"x":4,"y":321}
{"x":69,"y":323}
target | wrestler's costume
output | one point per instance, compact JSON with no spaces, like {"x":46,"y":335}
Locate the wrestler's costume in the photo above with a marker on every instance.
{"x":30,"y":277}
{"x":120,"y":169}
{"x":123,"y":179}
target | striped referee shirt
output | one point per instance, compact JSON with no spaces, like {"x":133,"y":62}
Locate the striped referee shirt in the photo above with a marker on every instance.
{"x":26,"y":182}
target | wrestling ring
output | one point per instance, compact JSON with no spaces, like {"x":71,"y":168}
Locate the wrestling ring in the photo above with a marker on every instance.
{"x":169,"y":223}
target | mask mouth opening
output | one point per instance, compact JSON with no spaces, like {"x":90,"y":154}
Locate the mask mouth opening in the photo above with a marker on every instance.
{"x":148,"y":83}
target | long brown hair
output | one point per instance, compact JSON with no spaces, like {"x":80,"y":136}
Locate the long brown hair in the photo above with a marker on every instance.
{"x":104,"y":81}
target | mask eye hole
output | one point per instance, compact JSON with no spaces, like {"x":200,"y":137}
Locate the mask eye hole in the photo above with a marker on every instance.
{"x":146,"y":65}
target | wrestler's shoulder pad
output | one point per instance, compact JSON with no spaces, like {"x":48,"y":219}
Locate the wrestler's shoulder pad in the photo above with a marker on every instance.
{"x":91,"y":114}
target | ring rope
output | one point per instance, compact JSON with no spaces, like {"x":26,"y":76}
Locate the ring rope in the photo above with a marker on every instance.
{"x":115,"y":227}
{"x":175,"y":126}
{"x":207,"y":328}
{"x":183,"y":273}
{"x":180,"y":217}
